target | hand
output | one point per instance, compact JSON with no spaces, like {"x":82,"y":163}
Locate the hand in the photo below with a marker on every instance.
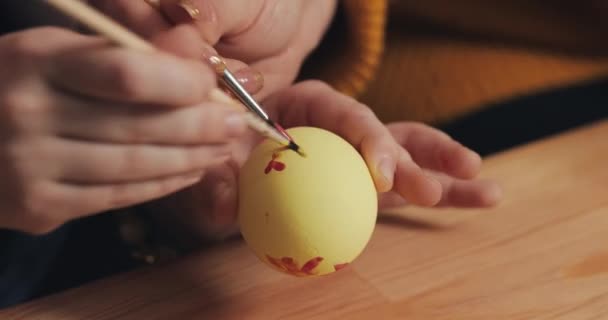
{"x":258,"y":37}
{"x":87,"y":127}
{"x":411,"y":163}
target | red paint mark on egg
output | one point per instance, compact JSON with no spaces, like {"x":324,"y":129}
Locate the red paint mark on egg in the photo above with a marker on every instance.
{"x":289,"y":265}
{"x":311,"y":264}
{"x":340,"y":266}
{"x":274,"y":164}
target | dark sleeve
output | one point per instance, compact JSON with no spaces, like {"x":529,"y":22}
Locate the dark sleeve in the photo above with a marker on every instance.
{"x":24,"y":262}
{"x":22,"y":14}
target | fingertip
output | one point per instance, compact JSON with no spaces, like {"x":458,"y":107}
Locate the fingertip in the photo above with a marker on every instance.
{"x":415,"y":186}
{"x":431,"y":193}
{"x":179,"y":12}
{"x":381,"y":158}
{"x":491,"y":195}
{"x":384,"y":173}
{"x":223,"y":203}
{"x":461,"y":162}
{"x":251,"y":79}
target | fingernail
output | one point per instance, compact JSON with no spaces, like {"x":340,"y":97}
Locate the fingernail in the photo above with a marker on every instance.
{"x":190,"y":9}
{"x":225,"y":194}
{"x":194,"y":176}
{"x":235,"y":125}
{"x":386,"y":168}
{"x":154,"y":3}
{"x":251,"y":79}
{"x":210,"y":56}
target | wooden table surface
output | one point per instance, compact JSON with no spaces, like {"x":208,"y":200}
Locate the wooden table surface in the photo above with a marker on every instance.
{"x":541,"y":254}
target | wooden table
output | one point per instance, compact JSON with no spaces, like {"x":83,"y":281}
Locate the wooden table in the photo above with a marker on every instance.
{"x":541,"y":254}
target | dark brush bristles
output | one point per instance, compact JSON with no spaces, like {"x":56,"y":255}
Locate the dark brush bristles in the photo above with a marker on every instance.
{"x":293,"y":146}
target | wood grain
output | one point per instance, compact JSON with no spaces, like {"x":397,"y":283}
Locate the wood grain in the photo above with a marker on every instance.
{"x":541,"y":254}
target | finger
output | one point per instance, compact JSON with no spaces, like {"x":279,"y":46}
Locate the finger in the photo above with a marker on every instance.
{"x":224,"y":210}
{"x":413,"y":185}
{"x":213,"y":214}
{"x":435,"y":150}
{"x":138,"y":16}
{"x":468,"y":193}
{"x":185,"y":41}
{"x":92,"y":199}
{"x":281,"y":60}
{"x":279,"y":72}
{"x":456,"y":193}
{"x":296,"y":28}
{"x":390,"y":200}
{"x":315,"y":104}
{"x":132,"y":77}
{"x":215,"y":18}
{"x":93,"y":120}
{"x":284,"y":20}
{"x":221,"y":187}
{"x":90,"y":163}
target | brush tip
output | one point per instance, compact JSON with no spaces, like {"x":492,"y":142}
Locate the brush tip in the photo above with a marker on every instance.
{"x":293,"y":146}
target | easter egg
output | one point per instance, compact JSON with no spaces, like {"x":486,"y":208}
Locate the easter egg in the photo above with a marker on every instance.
{"x":311,"y":214}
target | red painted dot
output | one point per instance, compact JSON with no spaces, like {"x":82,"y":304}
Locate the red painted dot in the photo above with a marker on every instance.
{"x":340,"y":266}
{"x":274,"y":165}
{"x":309,"y":266}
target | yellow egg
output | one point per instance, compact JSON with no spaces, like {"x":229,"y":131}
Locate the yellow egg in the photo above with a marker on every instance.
{"x":309,"y":215}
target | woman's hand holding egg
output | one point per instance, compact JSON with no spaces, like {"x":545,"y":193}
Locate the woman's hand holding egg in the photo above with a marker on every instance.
{"x":410,"y":163}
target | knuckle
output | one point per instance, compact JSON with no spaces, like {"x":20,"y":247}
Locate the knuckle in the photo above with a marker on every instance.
{"x":28,"y":43}
{"x":18,"y":154}
{"x":126,"y":77}
{"x":131,"y":160}
{"x":38,"y":206}
{"x":357,"y":112}
{"x":120,"y":9}
{"x":19,"y":107}
{"x":204,"y":122}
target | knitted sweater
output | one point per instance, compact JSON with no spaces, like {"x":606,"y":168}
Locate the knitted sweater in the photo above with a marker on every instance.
{"x":436,"y":60}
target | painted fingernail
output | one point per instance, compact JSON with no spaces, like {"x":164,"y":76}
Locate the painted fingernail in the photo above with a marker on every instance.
{"x":154,"y":3}
{"x":386,"y":168}
{"x":190,"y":9}
{"x":210,"y":56}
{"x":251,"y":79}
{"x":235,"y":125}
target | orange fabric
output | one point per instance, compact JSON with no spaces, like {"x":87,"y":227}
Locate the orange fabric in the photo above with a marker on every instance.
{"x":351,"y":58}
{"x":435,"y":60}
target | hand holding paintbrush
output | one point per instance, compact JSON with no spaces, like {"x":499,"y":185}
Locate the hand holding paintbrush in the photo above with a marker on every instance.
{"x":123,"y":37}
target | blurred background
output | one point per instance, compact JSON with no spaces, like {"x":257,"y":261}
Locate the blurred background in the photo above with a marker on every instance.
{"x":493,"y":74}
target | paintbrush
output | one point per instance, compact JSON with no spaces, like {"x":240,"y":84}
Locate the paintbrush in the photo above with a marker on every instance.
{"x":96,"y":21}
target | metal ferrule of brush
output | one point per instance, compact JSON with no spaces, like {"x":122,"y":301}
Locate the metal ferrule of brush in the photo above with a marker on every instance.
{"x":243,"y":95}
